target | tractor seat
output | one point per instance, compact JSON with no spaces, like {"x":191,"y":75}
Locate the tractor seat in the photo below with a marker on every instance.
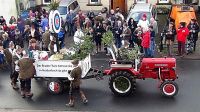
{"x":121,"y":66}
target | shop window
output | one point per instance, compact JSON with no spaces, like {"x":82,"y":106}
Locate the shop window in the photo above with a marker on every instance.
{"x":94,"y":2}
{"x":47,"y":1}
{"x":163,"y":1}
{"x":141,"y":1}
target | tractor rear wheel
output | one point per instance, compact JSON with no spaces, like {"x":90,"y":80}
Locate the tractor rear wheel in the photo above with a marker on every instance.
{"x":122,"y":83}
{"x":55,"y":86}
{"x":169,"y":88}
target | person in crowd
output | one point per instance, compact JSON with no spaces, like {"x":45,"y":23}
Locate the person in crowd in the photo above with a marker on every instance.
{"x":2,"y":57}
{"x":33,"y":45}
{"x":194,"y":30}
{"x":21,"y":25}
{"x":87,"y":24}
{"x":44,"y":23}
{"x":52,"y":46}
{"x":78,"y":36}
{"x":9,"y":55}
{"x":2,"y":20}
{"x":75,"y":84}
{"x":12,"y":20}
{"x":31,"y":15}
{"x":119,"y":14}
{"x":70,"y":22}
{"x":154,"y":23}
{"x":98,"y":32}
{"x":34,"y":33}
{"x":91,"y":16}
{"x":137,"y":37}
{"x":26,"y":73}
{"x":18,"y":40}
{"x":146,"y":42}
{"x":170,"y":37}
{"x":126,"y":35}
{"x":152,"y":42}
{"x":46,"y":39}
{"x":81,"y":18}
{"x":104,"y":13}
{"x":61,"y":38}
{"x":132,"y":25}
{"x":117,"y":33}
{"x":17,"y":55}
{"x":5,"y":40}
{"x":112,"y":17}
{"x":143,"y":22}
{"x":182,"y":34}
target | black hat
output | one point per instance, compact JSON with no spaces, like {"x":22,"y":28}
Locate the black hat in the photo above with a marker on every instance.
{"x":183,"y":24}
{"x":75,"y":62}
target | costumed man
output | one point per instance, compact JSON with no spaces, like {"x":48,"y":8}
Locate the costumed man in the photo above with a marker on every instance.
{"x":75,"y":84}
{"x":8,"y":56}
{"x":26,"y":73}
{"x":17,"y":55}
{"x":194,"y":30}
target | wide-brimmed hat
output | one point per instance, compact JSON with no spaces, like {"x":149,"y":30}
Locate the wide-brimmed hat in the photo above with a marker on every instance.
{"x":75,"y":62}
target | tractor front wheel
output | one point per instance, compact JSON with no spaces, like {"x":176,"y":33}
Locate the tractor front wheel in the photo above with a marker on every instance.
{"x":169,"y":88}
{"x":122,"y":83}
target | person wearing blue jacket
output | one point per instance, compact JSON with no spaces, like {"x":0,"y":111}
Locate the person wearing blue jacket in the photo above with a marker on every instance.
{"x":44,"y":23}
{"x":70,"y":22}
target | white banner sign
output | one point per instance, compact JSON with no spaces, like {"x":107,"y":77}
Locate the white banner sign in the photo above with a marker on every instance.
{"x":60,"y":68}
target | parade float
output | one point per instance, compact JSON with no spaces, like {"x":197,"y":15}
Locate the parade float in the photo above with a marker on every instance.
{"x":55,"y":69}
{"x":126,"y":67}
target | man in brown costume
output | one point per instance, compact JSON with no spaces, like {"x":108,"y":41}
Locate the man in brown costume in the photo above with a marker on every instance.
{"x":75,"y":84}
{"x":26,"y":73}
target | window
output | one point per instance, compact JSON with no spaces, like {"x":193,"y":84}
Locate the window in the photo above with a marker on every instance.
{"x":141,"y":1}
{"x":62,"y":10}
{"x":94,"y":1}
{"x":46,"y":1}
{"x":163,"y":1}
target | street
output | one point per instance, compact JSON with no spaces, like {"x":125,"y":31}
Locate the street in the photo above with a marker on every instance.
{"x":146,"y":98}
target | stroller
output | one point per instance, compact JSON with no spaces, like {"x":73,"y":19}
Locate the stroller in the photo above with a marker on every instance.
{"x":190,"y":44}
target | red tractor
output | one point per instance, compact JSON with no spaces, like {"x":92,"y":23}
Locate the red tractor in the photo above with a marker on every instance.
{"x":124,"y":74}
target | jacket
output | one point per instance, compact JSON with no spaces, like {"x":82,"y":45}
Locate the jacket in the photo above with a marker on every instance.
{"x":182,"y":34}
{"x":76,"y":74}
{"x":8,"y":56}
{"x":26,"y":68}
{"x":146,"y":39}
{"x":46,"y":39}
{"x":194,"y":30}
{"x":127,"y":34}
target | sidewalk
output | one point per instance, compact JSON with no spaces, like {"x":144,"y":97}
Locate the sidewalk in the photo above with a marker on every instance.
{"x":23,"y":110}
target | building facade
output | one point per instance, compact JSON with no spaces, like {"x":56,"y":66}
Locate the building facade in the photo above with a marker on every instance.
{"x":8,"y":8}
{"x":123,"y":4}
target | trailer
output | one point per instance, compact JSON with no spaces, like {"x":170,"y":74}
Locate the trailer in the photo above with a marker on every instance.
{"x":57,"y":72}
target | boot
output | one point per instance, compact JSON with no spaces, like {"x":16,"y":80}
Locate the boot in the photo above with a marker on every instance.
{"x":83,"y":97}
{"x":23,"y":93}
{"x":29,"y":94}
{"x":71,"y":102}
{"x":14,"y":85}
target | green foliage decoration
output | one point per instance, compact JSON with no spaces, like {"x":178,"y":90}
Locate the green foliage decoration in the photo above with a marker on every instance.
{"x":54,"y":5}
{"x":108,"y":38}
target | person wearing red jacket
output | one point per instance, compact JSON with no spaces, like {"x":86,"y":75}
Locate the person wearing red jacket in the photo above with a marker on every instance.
{"x":182,"y":34}
{"x":146,"y":42}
